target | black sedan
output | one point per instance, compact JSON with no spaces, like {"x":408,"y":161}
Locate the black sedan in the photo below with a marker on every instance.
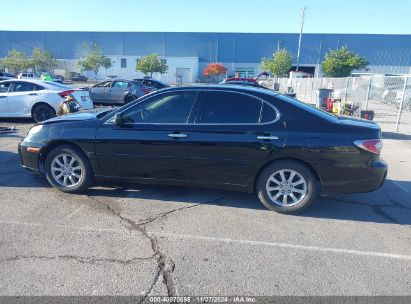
{"x":229,"y":137}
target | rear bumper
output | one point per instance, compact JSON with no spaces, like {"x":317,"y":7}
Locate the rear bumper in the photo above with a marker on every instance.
{"x":369,"y":180}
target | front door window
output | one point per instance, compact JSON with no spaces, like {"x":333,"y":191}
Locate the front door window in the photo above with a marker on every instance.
{"x":166,"y":108}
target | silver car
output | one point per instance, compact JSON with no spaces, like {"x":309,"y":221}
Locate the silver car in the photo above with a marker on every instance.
{"x":118,"y":91}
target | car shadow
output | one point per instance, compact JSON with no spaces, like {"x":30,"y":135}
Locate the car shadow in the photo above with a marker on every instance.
{"x":389,"y":204}
{"x":13,"y":175}
{"x":395,"y":135}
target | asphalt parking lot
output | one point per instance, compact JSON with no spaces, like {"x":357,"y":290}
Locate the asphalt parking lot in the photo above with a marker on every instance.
{"x":158,"y":240}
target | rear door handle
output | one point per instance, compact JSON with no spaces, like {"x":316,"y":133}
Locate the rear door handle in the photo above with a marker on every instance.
{"x":267,"y":137}
{"x":32,"y":94}
{"x":177,"y":135}
{"x":3,"y":96}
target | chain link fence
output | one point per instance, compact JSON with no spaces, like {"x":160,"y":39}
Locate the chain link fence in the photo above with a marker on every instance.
{"x":388,"y":96}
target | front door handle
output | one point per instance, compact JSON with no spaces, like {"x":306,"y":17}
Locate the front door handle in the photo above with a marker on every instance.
{"x":32,"y":94}
{"x":3,"y":96}
{"x":267,"y":137}
{"x":177,"y":135}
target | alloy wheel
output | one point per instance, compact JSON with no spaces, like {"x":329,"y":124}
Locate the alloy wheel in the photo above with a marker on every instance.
{"x":66,"y":170}
{"x":286,"y":187}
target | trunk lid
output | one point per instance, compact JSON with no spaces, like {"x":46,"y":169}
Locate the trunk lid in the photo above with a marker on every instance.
{"x":83,"y":98}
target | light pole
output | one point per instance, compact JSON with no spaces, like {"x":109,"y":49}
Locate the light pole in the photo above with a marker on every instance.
{"x":301,"y":34}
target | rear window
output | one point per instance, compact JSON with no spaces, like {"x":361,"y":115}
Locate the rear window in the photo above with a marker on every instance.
{"x":57,"y":85}
{"x":311,"y":109}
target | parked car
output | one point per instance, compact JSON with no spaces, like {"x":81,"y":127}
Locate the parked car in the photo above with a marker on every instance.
{"x":229,"y":137}
{"x":5,"y":76}
{"x":57,"y":78}
{"x":37,"y":99}
{"x":51,"y":77}
{"x":118,"y":91}
{"x":78,"y":78}
{"x":27,"y":76}
{"x":152,"y":83}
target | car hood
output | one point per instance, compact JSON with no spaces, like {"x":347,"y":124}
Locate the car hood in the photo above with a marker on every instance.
{"x":78,"y":116}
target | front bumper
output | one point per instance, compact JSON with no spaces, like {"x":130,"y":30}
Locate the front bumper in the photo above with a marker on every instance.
{"x":370,"y":179}
{"x":30,"y":160}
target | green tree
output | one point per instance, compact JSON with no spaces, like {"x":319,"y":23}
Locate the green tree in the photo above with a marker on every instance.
{"x":341,"y":62}
{"x":42,"y":60}
{"x":92,"y":59}
{"x":279,"y":64}
{"x":16,"y":61}
{"x":151,"y":64}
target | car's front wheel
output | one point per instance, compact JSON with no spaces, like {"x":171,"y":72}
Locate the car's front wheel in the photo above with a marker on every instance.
{"x":43,"y":112}
{"x":68,"y":169}
{"x":286,"y":186}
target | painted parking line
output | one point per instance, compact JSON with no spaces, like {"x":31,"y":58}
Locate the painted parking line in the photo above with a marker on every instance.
{"x":285,"y":245}
{"x":229,"y":241}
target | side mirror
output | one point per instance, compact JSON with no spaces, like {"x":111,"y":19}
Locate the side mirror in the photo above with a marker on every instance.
{"x":118,"y":119}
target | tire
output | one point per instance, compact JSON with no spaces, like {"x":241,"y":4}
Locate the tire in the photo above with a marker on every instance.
{"x":77,"y":176}
{"x":291,"y":177}
{"x":43,"y":112}
{"x":129,"y":98}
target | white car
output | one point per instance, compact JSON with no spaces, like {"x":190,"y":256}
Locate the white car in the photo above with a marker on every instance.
{"x":38,"y":99}
{"x":27,"y":76}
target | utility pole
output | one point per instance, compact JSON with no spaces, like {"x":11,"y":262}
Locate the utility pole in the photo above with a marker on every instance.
{"x":301,"y":34}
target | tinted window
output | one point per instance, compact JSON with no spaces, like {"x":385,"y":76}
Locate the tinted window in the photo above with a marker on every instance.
{"x":165,"y":108}
{"x":4,"y":87}
{"x":23,"y":87}
{"x":38,"y":87}
{"x":269,"y":114}
{"x":228,"y":107}
{"x":120,"y":84}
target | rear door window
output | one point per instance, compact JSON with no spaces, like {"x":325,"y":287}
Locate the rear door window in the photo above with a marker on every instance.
{"x":38,"y":87}
{"x":23,"y":87}
{"x":220,"y":107}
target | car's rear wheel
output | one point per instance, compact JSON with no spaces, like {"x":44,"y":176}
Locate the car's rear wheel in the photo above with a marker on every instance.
{"x":68,"y":169}
{"x":129,"y":98}
{"x":286,"y":186}
{"x":43,"y":112}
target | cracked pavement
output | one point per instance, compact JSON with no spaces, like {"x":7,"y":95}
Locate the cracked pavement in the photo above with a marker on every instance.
{"x":160,"y":240}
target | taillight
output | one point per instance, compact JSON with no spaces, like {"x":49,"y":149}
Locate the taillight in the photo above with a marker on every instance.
{"x":66,"y":93}
{"x":370,"y":145}
{"x":146,"y":91}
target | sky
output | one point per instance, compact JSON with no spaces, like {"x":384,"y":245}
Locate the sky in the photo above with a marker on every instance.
{"x":250,"y":16}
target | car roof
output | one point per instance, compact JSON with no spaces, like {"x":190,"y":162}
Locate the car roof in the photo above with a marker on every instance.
{"x":48,"y":84}
{"x":223,"y":87}
{"x":36,"y":81}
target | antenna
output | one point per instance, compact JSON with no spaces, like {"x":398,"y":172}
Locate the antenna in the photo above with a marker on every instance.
{"x":301,"y":34}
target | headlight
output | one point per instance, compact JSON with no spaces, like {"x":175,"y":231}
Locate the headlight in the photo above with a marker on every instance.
{"x":35,"y":129}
